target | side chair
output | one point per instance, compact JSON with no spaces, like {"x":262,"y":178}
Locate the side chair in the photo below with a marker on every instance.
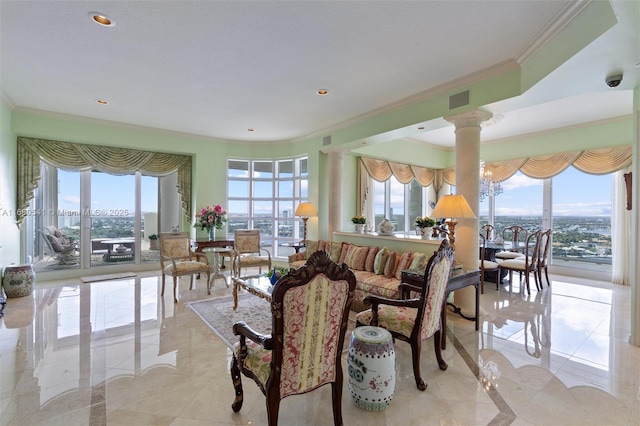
{"x":485,"y":264}
{"x":310,"y":310}
{"x":414,"y":320}
{"x":526,"y":264}
{"x":515,"y":234}
{"x":177,"y":259}
{"x":543,"y":260}
{"x":248,"y":251}
{"x":488,"y":231}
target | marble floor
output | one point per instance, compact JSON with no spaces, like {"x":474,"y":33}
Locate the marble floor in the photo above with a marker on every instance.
{"x":116,"y":352}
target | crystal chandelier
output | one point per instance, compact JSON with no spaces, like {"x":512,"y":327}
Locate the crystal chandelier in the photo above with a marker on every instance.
{"x":488,"y":186}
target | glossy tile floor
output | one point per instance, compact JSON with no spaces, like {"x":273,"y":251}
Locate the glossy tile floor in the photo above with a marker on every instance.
{"x":115,"y":352}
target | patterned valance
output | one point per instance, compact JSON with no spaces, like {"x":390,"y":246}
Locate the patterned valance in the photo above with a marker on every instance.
{"x":115,"y":161}
{"x":595,"y":161}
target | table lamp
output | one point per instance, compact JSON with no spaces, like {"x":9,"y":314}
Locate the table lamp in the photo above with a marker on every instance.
{"x":305,"y":210}
{"x":452,"y":206}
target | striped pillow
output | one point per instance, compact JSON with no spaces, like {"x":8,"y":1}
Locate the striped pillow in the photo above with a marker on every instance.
{"x":371,"y":257}
{"x":356,"y":257}
{"x":403,"y":263}
{"x":390,"y":266}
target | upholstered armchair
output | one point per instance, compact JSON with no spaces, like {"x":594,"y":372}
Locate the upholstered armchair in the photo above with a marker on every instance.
{"x":310,"y":308}
{"x":248,"y":252}
{"x":177,"y":259}
{"x":414,"y":320}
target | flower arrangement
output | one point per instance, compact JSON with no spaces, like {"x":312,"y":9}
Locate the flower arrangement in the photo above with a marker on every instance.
{"x":424,"y":222}
{"x":359,"y":220}
{"x":211,"y":217}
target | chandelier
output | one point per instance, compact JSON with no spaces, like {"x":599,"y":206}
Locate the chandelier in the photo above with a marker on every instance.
{"x":488,"y":186}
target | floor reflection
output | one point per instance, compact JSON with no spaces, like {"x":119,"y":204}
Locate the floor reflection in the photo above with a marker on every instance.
{"x":117,"y":352}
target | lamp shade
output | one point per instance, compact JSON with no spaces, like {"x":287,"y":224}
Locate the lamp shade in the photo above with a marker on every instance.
{"x":453,"y":206}
{"x":306,"y":210}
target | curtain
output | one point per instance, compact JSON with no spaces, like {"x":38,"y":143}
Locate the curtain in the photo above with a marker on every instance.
{"x":620,"y":231}
{"x":116,"y":161}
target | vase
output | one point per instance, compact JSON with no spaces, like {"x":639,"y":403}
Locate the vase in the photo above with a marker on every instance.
{"x":212,"y":234}
{"x":359,"y":228}
{"x":425,"y":233}
{"x":18,"y":280}
{"x":371,"y":365}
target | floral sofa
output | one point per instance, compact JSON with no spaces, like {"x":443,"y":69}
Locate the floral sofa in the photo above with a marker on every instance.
{"x":378,"y":270}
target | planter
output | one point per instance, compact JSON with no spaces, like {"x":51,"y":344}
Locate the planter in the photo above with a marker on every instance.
{"x":359,"y":228}
{"x":154,"y":244}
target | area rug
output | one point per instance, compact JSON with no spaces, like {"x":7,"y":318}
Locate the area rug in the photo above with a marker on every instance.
{"x":219,"y":315}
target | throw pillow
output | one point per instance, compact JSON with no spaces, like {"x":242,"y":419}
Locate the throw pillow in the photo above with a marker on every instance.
{"x":343,"y":253}
{"x":326,"y":246}
{"x":371,"y":258}
{"x":419,"y":261}
{"x":380,"y":261}
{"x":356,"y":256}
{"x":403,"y":263}
{"x":390,"y":266}
{"x":336,"y":249}
{"x":312,"y":247}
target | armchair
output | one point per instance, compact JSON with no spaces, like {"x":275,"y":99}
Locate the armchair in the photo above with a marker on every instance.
{"x":59,"y":246}
{"x":413,"y":320}
{"x":310,"y":308}
{"x":177,"y":259}
{"x":248,"y":251}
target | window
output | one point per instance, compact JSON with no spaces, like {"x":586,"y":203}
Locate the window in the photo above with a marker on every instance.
{"x":400,"y":203}
{"x":264,"y":195}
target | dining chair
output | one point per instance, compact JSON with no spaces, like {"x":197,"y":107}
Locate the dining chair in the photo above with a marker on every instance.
{"x":310,"y":310}
{"x":515,"y":234}
{"x":177,"y":259}
{"x":485,"y":264}
{"x":488,"y":231}
{"x":526,"y":264}
{"x":416,"y":319}
{"x":248,"y":251}
{"x":543,"y":260}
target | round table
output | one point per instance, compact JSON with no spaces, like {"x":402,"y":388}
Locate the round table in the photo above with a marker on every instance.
{"x":371,"y":363}
{"x":216,"y":265}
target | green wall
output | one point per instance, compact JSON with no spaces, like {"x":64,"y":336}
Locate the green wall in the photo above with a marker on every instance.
{"x":9,"y":232}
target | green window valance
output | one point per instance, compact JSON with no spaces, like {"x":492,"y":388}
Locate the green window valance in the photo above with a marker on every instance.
{"x":116,"y":161}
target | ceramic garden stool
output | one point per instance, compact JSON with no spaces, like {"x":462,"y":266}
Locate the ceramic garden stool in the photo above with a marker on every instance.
{"x":18,"y":280}
{"x":371,"y":363}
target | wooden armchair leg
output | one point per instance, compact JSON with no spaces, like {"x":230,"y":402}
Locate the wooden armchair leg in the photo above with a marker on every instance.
{"x":236,"y":378}
{"x":336,"y":395}
{"x":416,"y":348}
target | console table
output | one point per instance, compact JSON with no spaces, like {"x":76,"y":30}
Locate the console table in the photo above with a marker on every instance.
{"x":458,"y":279}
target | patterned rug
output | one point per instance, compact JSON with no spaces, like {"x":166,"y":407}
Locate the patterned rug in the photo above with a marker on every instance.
{"x":219,"y":315}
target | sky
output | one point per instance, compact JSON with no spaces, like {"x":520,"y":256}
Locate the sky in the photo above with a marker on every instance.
{"x":574,"y":194}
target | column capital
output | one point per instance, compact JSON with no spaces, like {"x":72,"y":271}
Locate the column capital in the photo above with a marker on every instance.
{"x":469,"y":119}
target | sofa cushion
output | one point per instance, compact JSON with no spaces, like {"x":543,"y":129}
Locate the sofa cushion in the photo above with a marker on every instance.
{"x":380,"y":261}
{"x":419,"y":261}
{"x":326,"y":246}
{"x":403,"y":263}
{"x":335,"y":250}
{"x":344,"y":249}
{"x":390,"y":265}
{"x":371,"y":257}
{"x":369,"y":283}
{"x":356,"y":256}
{"x":311,"y":247}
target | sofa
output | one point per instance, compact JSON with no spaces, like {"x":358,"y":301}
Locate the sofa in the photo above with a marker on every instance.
{"x":378,"y":270}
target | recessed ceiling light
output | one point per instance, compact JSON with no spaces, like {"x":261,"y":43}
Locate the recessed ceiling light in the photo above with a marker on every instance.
{"x":101,"y":19}
{"x":102,"y":102}
{"x":421,"y":128}
{"x":250,"y":130}
{"x":322,"y":92}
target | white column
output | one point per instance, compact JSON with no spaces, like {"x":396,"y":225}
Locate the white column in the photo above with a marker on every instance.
{"x":336,"y":165}
{"x":467,"y":184}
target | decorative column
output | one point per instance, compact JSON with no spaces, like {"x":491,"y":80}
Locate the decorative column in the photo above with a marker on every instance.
{"x":336,"y":165}
{"x":468,"y":184}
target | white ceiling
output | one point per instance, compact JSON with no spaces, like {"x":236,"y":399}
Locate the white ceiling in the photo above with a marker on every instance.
{"x":217,"y":68}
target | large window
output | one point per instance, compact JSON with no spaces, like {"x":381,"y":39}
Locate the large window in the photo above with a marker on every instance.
{"x":576,"y":205}
{"x":263,"y":195}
